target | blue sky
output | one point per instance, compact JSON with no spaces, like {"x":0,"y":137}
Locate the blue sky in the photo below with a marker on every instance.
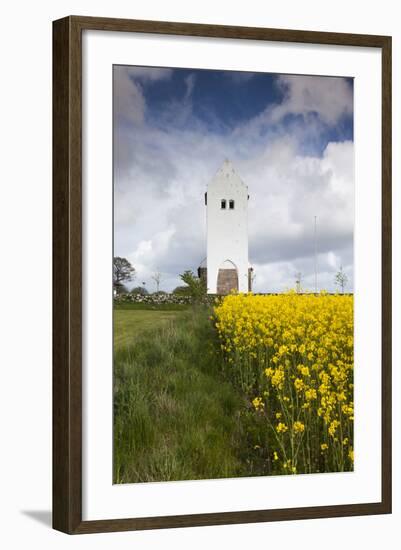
{"x":290,"y":138}
{"x":222,"y":100}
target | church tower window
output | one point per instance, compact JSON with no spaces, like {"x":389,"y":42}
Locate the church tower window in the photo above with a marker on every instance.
{"x":223,"y":204}
{"x":231,"y":204}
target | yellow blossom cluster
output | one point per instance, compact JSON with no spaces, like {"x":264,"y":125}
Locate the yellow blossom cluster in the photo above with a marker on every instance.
{"x":292,"y":355}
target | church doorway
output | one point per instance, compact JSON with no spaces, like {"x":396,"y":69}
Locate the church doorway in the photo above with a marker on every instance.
{"x":227,"y":278}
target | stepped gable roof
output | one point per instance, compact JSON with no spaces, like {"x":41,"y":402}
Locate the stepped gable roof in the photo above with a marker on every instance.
{"x":227,"y":171}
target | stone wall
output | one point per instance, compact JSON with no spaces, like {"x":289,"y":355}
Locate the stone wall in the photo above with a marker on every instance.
{"x":159,"y":299}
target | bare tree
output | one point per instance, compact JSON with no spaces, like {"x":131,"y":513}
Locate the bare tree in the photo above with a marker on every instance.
{"x":341,"y":279}
{"x":157,"y":277}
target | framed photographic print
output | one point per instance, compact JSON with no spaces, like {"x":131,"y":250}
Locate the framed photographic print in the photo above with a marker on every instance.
{"x":221,"y":274}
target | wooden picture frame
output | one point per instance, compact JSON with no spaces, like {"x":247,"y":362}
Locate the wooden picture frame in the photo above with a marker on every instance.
{"x":67,"y":273}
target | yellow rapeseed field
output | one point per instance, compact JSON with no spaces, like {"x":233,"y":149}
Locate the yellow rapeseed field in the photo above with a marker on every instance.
{"x":292,"y":355}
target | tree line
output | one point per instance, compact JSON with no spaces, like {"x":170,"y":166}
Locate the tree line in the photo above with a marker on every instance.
{"x":124,"y":272}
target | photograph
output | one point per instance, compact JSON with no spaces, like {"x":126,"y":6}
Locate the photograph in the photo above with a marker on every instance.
{"x":233,"y":274}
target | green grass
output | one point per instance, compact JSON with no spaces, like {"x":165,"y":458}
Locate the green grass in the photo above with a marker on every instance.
{"x":175,"y":418}
{"x":153,"y":307}
{"x":129,"y":323}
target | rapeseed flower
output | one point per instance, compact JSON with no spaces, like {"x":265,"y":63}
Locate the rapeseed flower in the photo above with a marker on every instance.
{"x":297,"y":352}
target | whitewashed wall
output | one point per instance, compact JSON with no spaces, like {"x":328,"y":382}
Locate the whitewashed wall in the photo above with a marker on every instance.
{"x":227,"y":230}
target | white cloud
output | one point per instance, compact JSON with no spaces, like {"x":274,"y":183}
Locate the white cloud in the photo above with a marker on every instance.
{"x":161,"y":177}
{"x":129,"y":100}
{"x":332,"y":260}
{"x":149,"y":253}
{"x":190,"y":83}
{"x":329,"y":97}
{"x":147,"y":74}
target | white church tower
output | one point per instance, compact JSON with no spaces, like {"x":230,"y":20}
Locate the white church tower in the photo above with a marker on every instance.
{"x":227,"y":266}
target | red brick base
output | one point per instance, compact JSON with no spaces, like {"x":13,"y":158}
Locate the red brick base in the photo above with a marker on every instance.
{"x":227,"y":280}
